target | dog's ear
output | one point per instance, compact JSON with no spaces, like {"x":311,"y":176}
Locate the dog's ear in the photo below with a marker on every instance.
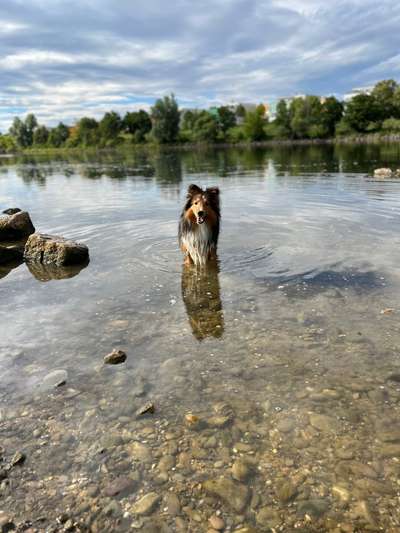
{"x":192,"y":190}
{"x":213,"y":197}
{"x":213,"y":191}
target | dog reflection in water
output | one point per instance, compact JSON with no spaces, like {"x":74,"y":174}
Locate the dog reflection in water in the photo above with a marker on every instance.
{"x":201,"y":296}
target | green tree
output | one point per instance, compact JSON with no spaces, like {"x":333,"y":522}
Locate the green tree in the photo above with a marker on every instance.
{"x":165,"y":117}
{"x":396,"y":103}
{"x":331,"y":114}
{"x":282,"y":120}
{"x":19,"y":133}
{"x":240,"y":111}
{"x":226,"y":119}
{"x":306,"y":118}
{"x":254,"y":126}
{"x":138,"y":124}
{"x":7,"y":144}
{"x":383,"y":93}
{"x":40,"y":135}
{"x":110,"y":126}
{"x":58,"y":135}
{"x":85,"y":133}
{"x":391,"y":125}
{"x":205,"y":127}
{"x":343,"y":128}
{"x":360,"y":111}
{"x":188,"y":119}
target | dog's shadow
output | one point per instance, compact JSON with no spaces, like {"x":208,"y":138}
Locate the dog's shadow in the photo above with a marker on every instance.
{"x":202,"y":299}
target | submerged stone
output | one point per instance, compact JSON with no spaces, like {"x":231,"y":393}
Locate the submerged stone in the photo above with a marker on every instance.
{"x":236,"y":495}
{"x":324,"y":423}
{"x":146,"y":504}
{"x":116,"y":357}
{"x":267,"y":517}
{"x":120,"y":486}
{"x":54,"y":379}
{"x":315,"y":507}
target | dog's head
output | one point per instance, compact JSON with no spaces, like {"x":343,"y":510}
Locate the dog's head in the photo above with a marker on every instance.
{"x":202,"y":203}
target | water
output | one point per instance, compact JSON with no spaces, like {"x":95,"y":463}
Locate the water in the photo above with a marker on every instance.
{"x":283,"y":361}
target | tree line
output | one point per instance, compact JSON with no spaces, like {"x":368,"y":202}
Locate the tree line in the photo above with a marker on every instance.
{"x":308,"y":117}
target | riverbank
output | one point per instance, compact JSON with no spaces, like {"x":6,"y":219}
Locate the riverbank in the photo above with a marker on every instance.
{"x":375,"y":138}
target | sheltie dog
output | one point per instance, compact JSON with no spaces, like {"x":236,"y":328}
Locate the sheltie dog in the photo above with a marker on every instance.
{"x":199,"y":225}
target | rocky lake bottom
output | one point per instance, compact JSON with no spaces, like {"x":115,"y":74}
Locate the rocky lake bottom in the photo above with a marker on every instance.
{"x":273,"y":380}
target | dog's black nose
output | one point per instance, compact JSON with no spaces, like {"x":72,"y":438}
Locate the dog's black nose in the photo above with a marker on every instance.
{"x":200,"y":213}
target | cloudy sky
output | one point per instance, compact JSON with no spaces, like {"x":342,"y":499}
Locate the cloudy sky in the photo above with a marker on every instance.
{"x":63,"y":59}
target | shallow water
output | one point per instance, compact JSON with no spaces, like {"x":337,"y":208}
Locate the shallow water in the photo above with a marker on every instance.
{"x":286,"y":355}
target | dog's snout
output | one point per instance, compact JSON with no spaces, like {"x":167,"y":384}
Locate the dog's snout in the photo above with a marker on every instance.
{"x":201,"y":213}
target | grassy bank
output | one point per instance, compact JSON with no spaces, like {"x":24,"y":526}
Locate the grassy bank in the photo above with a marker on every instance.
{"x":375,"y":138}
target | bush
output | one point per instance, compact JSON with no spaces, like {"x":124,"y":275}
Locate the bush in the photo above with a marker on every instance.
{"x":391,"y":125}
{"x":343,"y":128}
{"x":7,"y":144}
{"x":235,"y":134}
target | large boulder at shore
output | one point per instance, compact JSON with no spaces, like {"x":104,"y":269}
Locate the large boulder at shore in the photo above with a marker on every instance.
{"x":54,"y":250}
{"x":383,"y":173}
{"x":15,"y":226}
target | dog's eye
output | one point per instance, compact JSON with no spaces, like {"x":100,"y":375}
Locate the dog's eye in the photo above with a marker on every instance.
{"x":196,"y":203}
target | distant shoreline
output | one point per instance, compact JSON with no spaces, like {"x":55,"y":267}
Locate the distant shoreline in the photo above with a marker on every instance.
{"x":353,"y":139}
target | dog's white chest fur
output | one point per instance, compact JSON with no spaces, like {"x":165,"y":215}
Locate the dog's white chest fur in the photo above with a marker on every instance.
{"x":198,"y":243}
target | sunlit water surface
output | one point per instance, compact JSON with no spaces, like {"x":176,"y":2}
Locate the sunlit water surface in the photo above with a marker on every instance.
{"x":293,"y":342}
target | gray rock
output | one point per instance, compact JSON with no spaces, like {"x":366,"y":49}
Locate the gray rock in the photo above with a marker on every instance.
{"x":18,"y":459}
{"x":315,"y":508}
{"x":286,"y":491}
{"x":216,"y":522}
{"x":116,"y":357}
{"x":172,"y":504}
{"x":57,"y":378}
{"x":232,"y":493}
{"x":146,"y":504}
{"x":147,"y":408}
{"x":390,"y":450}
{"x":51,"y":249}
{"x":121,"y":486}
{"x":285,"y":425}
{"x":267,"y":517}
{"x":383,"y":173}
{"x":240,"y":470}
{"x":324,"y":423}
{"x":15,"y":226}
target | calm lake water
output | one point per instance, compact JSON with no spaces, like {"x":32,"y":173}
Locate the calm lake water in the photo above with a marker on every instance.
{"x":275,"y":378}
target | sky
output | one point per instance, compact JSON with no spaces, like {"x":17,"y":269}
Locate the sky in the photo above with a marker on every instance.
{"x":64,"y":59}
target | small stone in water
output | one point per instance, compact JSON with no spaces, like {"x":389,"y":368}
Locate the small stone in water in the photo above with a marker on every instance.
{"x":240,"y":470}
{"x":115,"y":357}
{"x":216,"y":522}
{"x":145,"y":409}
{"x":146,"y":504}
{"x":18,"y":459}
{"x":120,"y":485}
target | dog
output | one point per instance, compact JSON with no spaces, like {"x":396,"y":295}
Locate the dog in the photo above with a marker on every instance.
{"x":199,"y":225}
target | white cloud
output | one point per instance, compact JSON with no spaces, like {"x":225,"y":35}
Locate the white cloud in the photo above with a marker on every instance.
{"x":64,"y":59}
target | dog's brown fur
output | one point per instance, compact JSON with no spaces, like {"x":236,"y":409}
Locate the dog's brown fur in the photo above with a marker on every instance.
{"x":199,"y":224}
